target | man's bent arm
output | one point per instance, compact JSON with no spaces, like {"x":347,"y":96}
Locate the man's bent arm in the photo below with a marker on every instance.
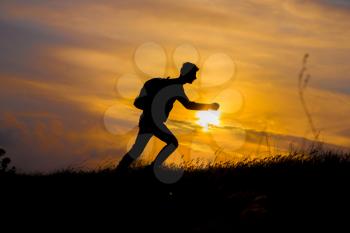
{"x":193,"y":105}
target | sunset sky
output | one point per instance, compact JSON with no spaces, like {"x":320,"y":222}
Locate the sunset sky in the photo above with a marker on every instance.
{"x":66,"y":99}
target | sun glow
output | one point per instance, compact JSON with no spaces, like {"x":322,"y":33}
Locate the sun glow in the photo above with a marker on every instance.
{"x":207,"y":118}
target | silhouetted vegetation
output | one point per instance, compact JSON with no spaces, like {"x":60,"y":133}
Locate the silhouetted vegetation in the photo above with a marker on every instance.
{"x":303,"y":81}
{"x":5,"y":163}
{"x":290,"y":191}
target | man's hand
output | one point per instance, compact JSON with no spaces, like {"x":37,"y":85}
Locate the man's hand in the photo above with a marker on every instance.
{"x":214,"y":106}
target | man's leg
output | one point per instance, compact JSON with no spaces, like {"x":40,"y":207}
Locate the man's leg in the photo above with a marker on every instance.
{"x":164,"y":134}
{"x":136,"y":150}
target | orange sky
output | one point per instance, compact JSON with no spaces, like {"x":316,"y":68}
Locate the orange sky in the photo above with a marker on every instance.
{"x":61,"y":63}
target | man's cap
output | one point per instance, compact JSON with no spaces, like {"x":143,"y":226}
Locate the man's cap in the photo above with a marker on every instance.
{"x":188,"y":67}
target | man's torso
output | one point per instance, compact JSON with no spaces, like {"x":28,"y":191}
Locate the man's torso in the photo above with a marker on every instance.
{"x":162,"y":102}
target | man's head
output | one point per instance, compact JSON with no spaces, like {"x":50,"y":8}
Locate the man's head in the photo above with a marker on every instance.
{"x":188,"y":72}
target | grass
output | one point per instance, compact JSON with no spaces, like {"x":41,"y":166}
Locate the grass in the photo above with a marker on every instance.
{"x":288,"y":191}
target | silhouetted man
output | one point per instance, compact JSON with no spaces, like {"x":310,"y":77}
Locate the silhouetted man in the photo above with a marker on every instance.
{"x":156,"y":99}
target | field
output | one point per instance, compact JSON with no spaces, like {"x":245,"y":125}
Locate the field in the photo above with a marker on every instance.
{"x":280,"y":193}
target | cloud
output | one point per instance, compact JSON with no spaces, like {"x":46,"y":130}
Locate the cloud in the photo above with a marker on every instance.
{"x":60,"y":61}
{"x":252,"y":140}
{"x":44,"y":129}
{"x":42,"y":144}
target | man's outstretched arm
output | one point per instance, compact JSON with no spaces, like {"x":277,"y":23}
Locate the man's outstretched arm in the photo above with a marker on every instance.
{"x":198,"y":106}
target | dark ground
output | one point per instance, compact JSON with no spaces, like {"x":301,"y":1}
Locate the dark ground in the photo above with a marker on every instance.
{"x":280,"y":194}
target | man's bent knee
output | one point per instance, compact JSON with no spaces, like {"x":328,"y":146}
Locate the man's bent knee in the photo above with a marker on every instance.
{"x":173,"y":141}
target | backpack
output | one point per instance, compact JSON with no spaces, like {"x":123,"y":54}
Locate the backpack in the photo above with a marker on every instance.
{"x":149,"y":90}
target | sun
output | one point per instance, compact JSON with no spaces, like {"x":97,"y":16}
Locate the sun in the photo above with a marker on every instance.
{"x":207,"y":118}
